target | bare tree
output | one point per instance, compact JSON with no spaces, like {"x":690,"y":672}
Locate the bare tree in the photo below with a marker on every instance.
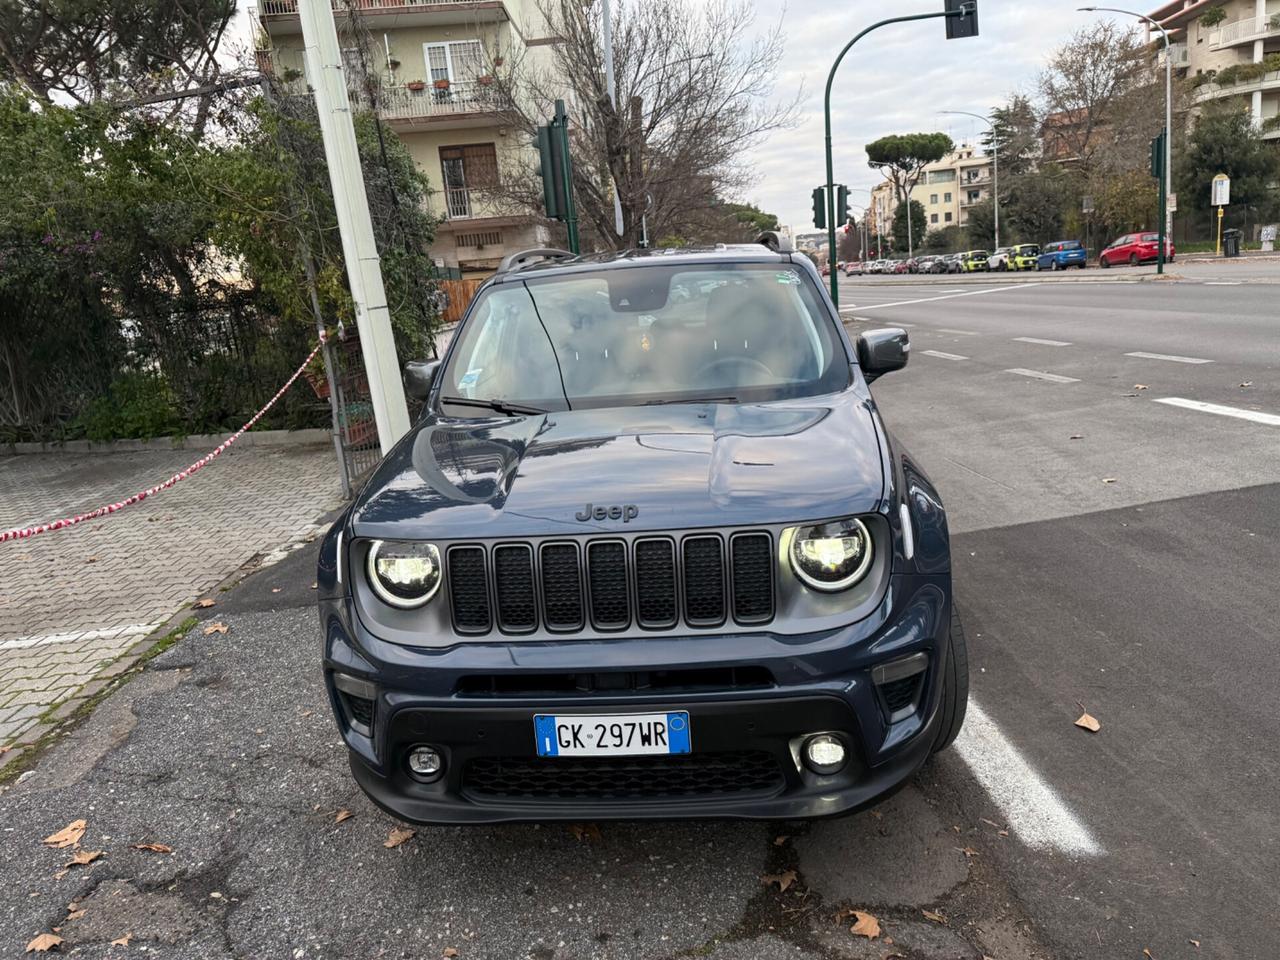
{"x":694,"y":96}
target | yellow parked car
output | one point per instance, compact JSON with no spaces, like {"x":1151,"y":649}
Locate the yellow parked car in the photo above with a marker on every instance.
{"x":974,"y":261}
{"x":1023,"y":256}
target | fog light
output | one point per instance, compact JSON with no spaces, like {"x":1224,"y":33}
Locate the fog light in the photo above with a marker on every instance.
{"x":425,"y":763}
{"x":824,"y":754}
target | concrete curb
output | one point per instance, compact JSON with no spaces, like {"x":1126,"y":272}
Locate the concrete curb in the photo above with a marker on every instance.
{"x":199,"y":441}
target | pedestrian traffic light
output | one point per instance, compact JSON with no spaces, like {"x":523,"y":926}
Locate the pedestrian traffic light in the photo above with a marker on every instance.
{"x":1157,"y":156}
{"x":962,"y":18}
{"x":843,"y":214}
{"x":820,"y":207}
{"x":551,"y":169}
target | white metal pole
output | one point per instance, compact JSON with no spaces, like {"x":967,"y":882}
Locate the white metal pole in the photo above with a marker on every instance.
{"x":607,"y":31}
{"x":364,"y":272}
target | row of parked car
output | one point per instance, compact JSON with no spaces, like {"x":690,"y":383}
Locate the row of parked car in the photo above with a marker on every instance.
{"x":1132,"y":248}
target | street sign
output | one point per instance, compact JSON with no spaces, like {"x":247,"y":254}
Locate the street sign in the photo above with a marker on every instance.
{"x":1221,"y":192}
{"x":1086,"y":204}
{"x":1172,"y":203}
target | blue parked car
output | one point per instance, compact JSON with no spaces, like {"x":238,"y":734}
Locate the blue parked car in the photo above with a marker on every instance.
{"x":1062,"y":254}
{"x":650,"y":551}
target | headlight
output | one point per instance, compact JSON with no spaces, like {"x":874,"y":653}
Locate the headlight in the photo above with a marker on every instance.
{"x":404,"y":574}
{"x":831,"y":556}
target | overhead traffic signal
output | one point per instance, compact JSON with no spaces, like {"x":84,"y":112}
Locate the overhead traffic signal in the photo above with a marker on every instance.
{"x":551,"y":169}
{"x":1157,"y":156}
{"x":962,"y":18}
{"x":820,"y":207}
{"x":843,"y":213}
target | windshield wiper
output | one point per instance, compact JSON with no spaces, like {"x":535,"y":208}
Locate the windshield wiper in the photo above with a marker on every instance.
{"x":499,"y":406}
{"x":653,"y":403}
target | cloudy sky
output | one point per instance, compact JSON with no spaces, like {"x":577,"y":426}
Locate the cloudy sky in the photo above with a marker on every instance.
{"x":894,"y":81}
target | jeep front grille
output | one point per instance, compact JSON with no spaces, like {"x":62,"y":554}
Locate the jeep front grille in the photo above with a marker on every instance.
{"x":609,"y":584}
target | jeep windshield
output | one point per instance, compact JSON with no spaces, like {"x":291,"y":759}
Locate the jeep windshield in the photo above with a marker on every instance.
{"x":648,"y":333}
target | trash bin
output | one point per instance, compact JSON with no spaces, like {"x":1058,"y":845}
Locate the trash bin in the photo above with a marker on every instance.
{"x":1231,"y":242}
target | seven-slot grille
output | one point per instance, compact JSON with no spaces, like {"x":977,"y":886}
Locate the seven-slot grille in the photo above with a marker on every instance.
{"x":608,"y":584}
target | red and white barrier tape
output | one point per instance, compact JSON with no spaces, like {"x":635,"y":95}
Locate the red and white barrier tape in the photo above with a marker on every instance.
{"x":21,"y":533}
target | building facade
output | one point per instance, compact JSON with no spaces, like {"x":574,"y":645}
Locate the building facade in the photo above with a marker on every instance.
{"x":436,"y":63}
{"x":1233,"y":55}
{"x":948,"y":190}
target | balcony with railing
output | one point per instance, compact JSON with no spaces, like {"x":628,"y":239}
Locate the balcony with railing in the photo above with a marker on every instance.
{"x":281,"y":16}
{"x":1246,"y":30}
{"x":1238,"y":85}
{"x":410,"y":106}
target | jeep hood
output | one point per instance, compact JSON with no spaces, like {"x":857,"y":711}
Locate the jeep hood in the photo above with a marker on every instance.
{"x":680,"y":466}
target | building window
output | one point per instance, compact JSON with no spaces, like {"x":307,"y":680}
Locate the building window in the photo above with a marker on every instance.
{"x":933,"y":198}
{"x":491,"y":238}
{"x":948,"y":197}
{"x":933,"y":218}
{"x":948,"y":218}
{"x":461,"y":62}
{"x":464,"y":169}
{"x":974,"y":196}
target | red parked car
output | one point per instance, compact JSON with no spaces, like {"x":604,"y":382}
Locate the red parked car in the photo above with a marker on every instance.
{"x":1135,"y":248}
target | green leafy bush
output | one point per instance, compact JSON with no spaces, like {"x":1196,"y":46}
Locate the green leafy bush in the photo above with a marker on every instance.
{"x":137,"y":405}
{"x":1213,"y":16}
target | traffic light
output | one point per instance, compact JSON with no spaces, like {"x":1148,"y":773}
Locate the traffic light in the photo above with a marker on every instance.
{"x":551,"y":169}
{"x":843,"y":213}
{"x":1157,"y":156}
{"x":962,"y":18}
{"x":820,"y":207}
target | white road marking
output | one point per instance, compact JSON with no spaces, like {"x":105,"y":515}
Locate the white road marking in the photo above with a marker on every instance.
{"x":1223,"y":283}
{"x":943,"y":356}
{"x":962,"y":333}
{"x":1046,"y":343}
{"x":1270,"y":419}
{"x":948,"y":296}
{"x":72,"y":636}
{"x":1166,"y":356}
{"x":1030,"y":806}
{"x":1041,"y":375}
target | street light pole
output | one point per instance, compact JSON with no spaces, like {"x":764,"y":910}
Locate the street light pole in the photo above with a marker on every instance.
{"x":1168,"y":118}
{"x":606,"y":30}
{"x":995,"y":164}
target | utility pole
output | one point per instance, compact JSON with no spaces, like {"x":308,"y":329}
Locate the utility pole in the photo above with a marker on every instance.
{"x":364,"y":272}
{"x":606,"y":30}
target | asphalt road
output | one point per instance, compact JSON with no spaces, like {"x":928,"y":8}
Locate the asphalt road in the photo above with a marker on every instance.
{"x":1150,"y":599}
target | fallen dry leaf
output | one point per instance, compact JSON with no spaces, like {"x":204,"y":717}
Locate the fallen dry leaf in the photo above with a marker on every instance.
{"x":1147,"y":953}
{"x":44,"y":943}
{"x":968,"y":851}
{"x":1247,"y":383}
{"x":1196,"y":943}
{"x":122,"y":941}
{"x":1004,"y":833}
{"x":154,"y":847}
{"x":60,"y":874}
{"x":275,"y":589}
{"x":1089,"y":723}
{"x":82,"y":857}
{"x":780,"y":840}
{"x":74,"y":915}
{"x":935,"y":917}
{"x":783,"y":880}
{"x":866,"y":926}
{"x":314,"y":585}
{"x":1076,"y":436}
{"x":877,"y":814}
{"x":343,"y":814}
{"x":218,"y":627}
{"x":1108,"y":479}
{"x":450,"y":952}
{"x":587,"y":831}
{"x":203,"y":604}
{"x":68,"y":836}
{"x":1140,"y":386}
{"x":398,"y":836}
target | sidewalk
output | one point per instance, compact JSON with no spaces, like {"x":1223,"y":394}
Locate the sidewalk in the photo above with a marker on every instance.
{"x":76,"y":599}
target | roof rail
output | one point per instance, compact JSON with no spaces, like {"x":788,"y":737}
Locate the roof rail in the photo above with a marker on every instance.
{"x":522,"y":258}
{"x":776,"y":241}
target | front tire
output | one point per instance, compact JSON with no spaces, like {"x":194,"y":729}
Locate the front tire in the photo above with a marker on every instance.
{"x":955,"y":685}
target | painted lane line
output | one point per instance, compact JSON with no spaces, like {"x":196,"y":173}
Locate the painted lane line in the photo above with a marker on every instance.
{"x":72,"y":636}
{"x":1165,"y":356}
{"x":949,"y":296}
{"x":943,"y":356}
{"x":1041,"y":375}
{"x":1034,"y":812}
{"x":962,"y":333}
{"x":1044,"y":343}
{"x":1223,"y":283}
{"x":1270,"y":419}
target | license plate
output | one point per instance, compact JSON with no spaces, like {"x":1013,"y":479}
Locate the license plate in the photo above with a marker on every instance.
{"x":612,"y":735}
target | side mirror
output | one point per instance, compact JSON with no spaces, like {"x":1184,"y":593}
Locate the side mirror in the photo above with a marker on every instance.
{"x":882,"y":351}
{"x":419,"y":375}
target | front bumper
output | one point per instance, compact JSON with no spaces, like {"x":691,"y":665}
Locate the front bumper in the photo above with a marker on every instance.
{"x":475,"y":703}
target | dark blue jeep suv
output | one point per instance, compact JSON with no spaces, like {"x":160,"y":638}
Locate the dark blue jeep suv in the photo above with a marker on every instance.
{"x":650,"y":551}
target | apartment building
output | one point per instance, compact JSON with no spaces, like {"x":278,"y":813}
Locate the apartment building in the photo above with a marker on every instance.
{"x":436,"y":61}
{"x":1230,"y":50}
{"x":948,"y":190}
